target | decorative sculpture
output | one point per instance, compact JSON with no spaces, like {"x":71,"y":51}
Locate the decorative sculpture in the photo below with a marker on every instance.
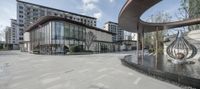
{"x":181,"y":50}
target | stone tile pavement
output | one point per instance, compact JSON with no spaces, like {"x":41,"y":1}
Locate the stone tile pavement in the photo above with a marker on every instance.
{"x":97,"y":71}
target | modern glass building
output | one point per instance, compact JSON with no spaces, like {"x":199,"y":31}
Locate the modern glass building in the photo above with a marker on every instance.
{"x":56,"y":35}
{"x":28,"y":13}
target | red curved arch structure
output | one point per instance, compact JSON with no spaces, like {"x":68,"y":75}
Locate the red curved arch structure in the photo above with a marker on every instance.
{"x":129,"y":17}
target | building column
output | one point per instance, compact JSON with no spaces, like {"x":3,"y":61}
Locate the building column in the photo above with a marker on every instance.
{"x":142,"y":36}
{"x":139,"y":54}
{"x":156,"y":59}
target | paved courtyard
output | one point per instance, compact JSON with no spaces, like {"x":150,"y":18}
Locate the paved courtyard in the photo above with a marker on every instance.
{"x":99,"y":71}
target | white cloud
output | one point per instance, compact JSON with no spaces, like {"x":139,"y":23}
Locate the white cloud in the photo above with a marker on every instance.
{"x":89,"y":4}
{"x":98,"y":15}
{"x":90,"y":7}
{"x":90,"y":1}
{"x":111,"y":1}
{"x":8,"y":9}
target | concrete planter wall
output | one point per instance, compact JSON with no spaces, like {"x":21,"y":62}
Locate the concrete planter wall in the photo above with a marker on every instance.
{"x":166,"y":76}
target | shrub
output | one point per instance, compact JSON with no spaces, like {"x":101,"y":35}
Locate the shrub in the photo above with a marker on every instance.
{"x":1,"y":46}
{"x":151,"y":50}
{"x":76,"y":49}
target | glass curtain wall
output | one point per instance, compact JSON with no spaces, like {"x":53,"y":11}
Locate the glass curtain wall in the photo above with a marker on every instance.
{"x":56,"y":37}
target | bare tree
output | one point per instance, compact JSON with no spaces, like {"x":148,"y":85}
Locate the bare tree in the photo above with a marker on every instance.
{"x":150,"y":38}
{"x":183,"y":11}
{"x":90,"y":38}
{"x":188,"y":9}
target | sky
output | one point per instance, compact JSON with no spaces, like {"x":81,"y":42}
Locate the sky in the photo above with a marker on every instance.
{"x":103,"y":10}
{"x":168,"y":6}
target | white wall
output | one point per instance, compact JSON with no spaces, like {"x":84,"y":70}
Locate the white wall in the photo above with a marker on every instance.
{"x":26,"y":36}
{"x":101,"y":36}
{"x":194,"y":35}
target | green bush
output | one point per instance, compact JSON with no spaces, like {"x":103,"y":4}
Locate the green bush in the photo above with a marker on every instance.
{"x":151,"y":50}
{"x":76,"y":49}
{"x":1,"y":46}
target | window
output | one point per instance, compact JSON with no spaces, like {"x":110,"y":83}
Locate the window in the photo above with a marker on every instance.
{"x":21,"y":30}
{"x":21,"y":7}
{"x":84,"y":33}
{"x":48,"y":13}
{"x":71,"y":30}
{"x":80,"y":33}
{"x":21,"y":25}
{"x":21,"y":16}
{"x":58,"y":30}
{"x":53,"y":31}
{"x":21,"y":21}
{"x":66,"y":31}
{"x":21,"y":33}
{"x":21,"y":38}
{"x":70,"y":17}
{"x":66,"y":16}
{"x":35,"y":10}
{"x":76,"y":35}
{"x":21,"y":12}
{"x":35,"y":14}
{"x":28,"y":9}
{"x":35,"y":18}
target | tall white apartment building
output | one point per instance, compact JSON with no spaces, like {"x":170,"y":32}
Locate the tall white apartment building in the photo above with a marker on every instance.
{"x":14,"y":26}
{"x":120,"y":33}
{"x":130,"y":36}
{"x":8,"y":34}
{"x":28,"y":13}
{"x":125,"y":39}
{"x":114,"y":28}
{"x":12,"y":35}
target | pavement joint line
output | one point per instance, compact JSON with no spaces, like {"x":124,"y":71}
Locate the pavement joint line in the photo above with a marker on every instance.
{"x":64,"y":73}
{"x":137,"y":80}
{"x":49,"y":80}
{"x":131,"y":74}
{"x":3,"y":67}
{"x":98,"y":86}
{"x":85,"y":70}
{"x":102,"y":70}
{"x":68,"y":71}
{"x":100,"y":77}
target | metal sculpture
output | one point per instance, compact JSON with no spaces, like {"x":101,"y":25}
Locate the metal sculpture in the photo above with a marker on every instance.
{"x":181,"y":50}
